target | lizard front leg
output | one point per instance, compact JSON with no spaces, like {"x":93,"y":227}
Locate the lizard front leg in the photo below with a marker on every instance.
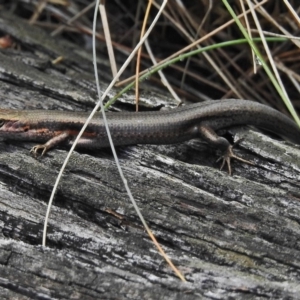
{"x":56,"y":140}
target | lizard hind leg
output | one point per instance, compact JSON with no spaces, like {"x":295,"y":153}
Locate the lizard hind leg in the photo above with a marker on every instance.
{"x":210,"y":136}
{"x":226,"y":157}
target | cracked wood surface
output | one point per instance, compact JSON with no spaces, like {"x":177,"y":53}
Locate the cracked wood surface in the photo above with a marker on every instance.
{"x":232,"y":237}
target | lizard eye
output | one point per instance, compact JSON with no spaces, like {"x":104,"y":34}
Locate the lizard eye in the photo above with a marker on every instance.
{"x":2,"y":121}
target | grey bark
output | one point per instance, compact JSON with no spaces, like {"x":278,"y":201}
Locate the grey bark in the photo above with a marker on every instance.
{"x":231,"y":236}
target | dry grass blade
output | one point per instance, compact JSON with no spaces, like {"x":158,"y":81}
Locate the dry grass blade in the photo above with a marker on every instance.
{"x":73,"y":19}
{"x":294,"y":13}
{"x":138,"y":58}
{"x":162,"y":76}
{"x":110,"y":49}
{"x":249,"y":32}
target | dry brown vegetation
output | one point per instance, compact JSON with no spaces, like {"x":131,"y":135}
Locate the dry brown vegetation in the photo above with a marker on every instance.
{"x":221,"y":73}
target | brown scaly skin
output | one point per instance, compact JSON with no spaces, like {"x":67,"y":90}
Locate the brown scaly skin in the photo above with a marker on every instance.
{"x":200,"y":120}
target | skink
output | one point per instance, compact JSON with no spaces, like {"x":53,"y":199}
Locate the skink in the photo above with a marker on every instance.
{"x":200,"y":120}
